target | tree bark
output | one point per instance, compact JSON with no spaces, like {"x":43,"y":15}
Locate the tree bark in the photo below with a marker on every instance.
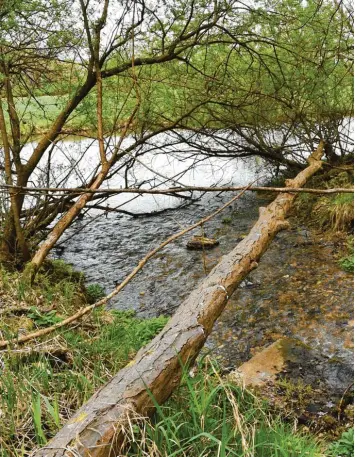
{"x":13,"y":229}
{"x":98,"y":428}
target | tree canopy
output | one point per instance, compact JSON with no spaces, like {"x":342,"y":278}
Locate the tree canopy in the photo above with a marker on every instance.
{"x":270,"y":79}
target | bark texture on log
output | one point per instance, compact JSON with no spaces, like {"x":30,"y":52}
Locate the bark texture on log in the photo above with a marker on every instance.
{"x":98,"y":428}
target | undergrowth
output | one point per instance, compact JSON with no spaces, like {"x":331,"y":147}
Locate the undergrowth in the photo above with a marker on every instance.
{"x":333,"y":213}
{"x":344,"y":446}
{"x":347,"y":262}
{"x":44,"y":383}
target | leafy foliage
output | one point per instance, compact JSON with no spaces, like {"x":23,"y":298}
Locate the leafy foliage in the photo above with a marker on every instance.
{"x":344,"y":446}
{"x":43,"y":319}
{"x":94,"y":292}
{"x":347,"y":263}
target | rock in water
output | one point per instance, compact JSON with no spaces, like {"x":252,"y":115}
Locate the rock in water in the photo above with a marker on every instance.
{"x":201,"y":243}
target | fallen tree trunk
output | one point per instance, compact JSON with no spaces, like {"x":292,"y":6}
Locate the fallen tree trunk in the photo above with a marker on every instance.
{"x":98,"y":428}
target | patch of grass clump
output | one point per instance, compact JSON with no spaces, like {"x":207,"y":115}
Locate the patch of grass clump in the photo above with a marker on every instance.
{"x":335,"y":213}
{"x":210,"y":417}
{"x":332,"y":213}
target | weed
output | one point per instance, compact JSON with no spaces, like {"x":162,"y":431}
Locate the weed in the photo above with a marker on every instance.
{"x":226,"y":220}
{"x":344,"y":446}
{"x":37,"y":419}
{"x":94,"y":292}
{"x":21,"y":290}
{"x":43,"y":319}
{"x":347,"y":263}
{"x":294,"y":391}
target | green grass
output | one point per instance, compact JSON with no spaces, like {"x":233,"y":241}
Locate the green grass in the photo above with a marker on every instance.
{"x":41,"y":388}
{"x":210,"y":417}
{"x":344,"y":446}
{"x":37,"y":114}
{"x":39,"y":392}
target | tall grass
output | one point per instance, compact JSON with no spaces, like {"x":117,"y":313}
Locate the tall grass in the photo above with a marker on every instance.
{"x":332,"y":213}
{"x":40,"y":389}
{"x":210,"y":417}
{"x":39,"y":392}
{"x":335,"y":213}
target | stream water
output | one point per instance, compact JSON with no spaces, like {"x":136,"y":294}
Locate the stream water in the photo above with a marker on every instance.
{"x":107,"y":247}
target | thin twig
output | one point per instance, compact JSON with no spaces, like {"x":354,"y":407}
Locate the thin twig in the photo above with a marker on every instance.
{"x":176,"y":190}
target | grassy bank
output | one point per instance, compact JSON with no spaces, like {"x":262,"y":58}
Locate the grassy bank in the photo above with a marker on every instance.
{"x":44,"y":383}
{"x":331,"y":216}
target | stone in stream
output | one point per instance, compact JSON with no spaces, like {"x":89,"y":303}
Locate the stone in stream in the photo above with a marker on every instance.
{"x":262,"y":368}
{"x":200,"y":243}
